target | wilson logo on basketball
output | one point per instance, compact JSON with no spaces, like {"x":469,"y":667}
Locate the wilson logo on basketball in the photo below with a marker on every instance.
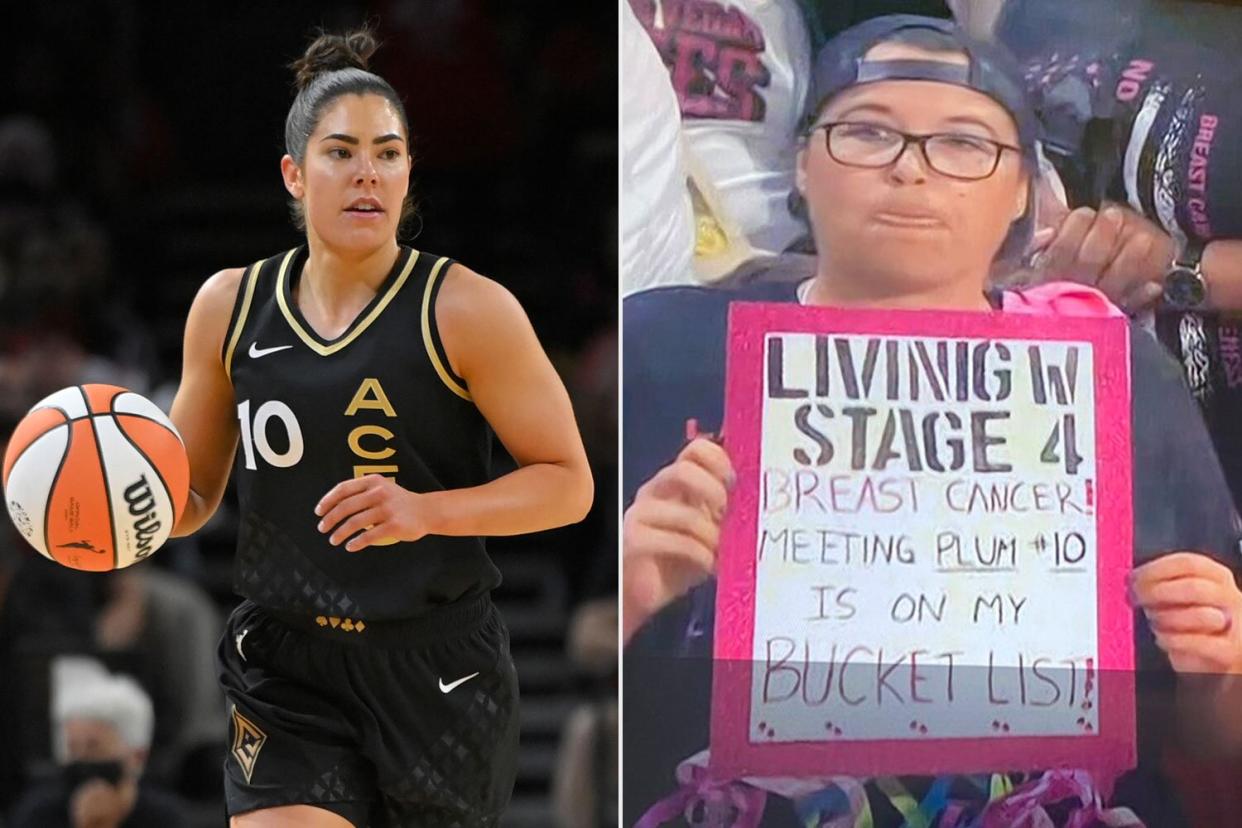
{"x":142,"y":506}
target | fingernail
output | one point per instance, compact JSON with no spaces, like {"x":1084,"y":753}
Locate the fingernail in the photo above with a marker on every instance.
{"x":320,"y":526}
{"x":1112,"y":214}
{"x":731,"y":480}
{"x":1038,"y":261}
{"x":1227,"y":620}
{"x":318,"y":511}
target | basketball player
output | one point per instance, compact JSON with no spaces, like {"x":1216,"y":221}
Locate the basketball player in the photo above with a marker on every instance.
{"x":916,"y":168}
{"x":368,"y":672}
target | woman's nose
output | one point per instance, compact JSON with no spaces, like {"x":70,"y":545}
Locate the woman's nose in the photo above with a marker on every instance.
{"x":910,"y":166}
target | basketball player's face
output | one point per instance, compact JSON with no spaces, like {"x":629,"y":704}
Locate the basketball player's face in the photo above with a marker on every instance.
{"x":355,"y":175}
{"x":905,"y":227}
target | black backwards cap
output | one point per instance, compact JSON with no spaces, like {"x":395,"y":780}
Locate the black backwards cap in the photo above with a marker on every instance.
{"x":990,"y":70}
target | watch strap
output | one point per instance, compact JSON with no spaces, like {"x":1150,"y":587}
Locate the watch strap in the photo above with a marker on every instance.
{"x":1191,"y":255}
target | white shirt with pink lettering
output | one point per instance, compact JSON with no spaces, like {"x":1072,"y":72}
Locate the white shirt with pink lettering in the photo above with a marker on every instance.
{"x":741,"y":71}
{"x":657,"y":220}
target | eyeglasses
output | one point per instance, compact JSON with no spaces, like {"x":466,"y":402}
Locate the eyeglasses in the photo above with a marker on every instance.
{"x":860,"y":144}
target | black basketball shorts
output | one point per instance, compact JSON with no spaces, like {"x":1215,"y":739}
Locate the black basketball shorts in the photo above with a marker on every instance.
{"x":411,"y":723}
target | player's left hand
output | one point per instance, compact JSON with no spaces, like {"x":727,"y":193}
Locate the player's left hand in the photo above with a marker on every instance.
{"x":1194,"y":608}
{"x":374,"y":503}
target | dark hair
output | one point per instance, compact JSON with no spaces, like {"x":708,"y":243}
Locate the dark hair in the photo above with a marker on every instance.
{"x":335,"y":65}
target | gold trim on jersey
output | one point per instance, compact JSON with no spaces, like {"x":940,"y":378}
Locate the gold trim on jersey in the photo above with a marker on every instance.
{"x":328,"y":350}
{"x":447,"y":378}
{"x":251,"y":276}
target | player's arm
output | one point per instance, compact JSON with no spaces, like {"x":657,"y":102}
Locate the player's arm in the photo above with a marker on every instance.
{"x":203,"y":409}
{"x":491,"y":345}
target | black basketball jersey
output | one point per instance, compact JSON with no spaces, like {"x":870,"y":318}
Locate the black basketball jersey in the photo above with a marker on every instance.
{"x":379,"y":399}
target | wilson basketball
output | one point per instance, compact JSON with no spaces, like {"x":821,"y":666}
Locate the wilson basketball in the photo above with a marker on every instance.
{"x":95,"y":476}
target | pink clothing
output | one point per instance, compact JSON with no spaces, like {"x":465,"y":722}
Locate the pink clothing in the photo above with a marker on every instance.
{"x":1059,"y":299}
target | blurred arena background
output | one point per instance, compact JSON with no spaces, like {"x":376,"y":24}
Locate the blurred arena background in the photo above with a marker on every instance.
{"x":139,"y":153}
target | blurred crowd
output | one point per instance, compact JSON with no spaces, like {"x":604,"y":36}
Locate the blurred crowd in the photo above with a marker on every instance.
{"x":139,"y":151}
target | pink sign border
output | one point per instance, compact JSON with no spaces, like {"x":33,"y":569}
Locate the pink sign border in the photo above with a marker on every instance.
{"x":1110,"y":751}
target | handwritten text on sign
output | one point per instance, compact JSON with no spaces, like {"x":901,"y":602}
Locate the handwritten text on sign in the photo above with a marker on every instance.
{"x":926,"y":542}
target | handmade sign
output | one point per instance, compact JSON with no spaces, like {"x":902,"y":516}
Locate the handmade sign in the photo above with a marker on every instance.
{"x":922,"y":567}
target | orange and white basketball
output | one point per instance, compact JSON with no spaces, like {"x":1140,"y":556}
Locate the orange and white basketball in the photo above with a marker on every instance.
{"x":95,"y":477}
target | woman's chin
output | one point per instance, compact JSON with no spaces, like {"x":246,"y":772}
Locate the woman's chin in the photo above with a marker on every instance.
{"x":354,"y":237}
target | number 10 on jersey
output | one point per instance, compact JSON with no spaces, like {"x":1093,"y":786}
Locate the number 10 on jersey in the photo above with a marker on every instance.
{"x":254,"y":434}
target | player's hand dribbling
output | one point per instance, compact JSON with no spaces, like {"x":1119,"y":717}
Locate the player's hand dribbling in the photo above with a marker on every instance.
{"x":672,"y":530}
{"x":374,"y":503}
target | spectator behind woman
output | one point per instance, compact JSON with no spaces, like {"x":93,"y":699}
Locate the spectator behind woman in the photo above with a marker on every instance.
{"x":901,"y":221}
{"x":657,"y":220}
{"x":102,"y":733}
{"x":740,"y":71}
{"x":1141,"y":104}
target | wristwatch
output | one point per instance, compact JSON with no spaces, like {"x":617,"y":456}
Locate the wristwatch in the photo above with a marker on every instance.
{"x":1184,"y":286}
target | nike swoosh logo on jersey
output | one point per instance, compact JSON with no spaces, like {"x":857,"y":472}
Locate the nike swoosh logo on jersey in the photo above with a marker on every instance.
{"x":240,"y":638}
{"x":446,"y":688}
{"x":256,"y":351}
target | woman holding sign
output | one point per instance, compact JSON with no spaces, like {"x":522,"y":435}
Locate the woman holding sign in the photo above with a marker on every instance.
{"x":916,"y":173}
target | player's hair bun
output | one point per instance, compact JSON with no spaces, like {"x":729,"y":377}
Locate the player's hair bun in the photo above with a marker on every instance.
{"x":329,"y":52}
